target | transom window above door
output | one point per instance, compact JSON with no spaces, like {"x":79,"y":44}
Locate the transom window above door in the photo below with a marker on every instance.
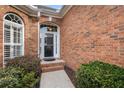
{"x":13,"y":36}
{"x":49,"y":28}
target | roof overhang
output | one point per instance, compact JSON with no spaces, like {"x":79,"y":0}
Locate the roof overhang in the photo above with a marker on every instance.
{"x":43,"y":10}
{"x":27,"y":10}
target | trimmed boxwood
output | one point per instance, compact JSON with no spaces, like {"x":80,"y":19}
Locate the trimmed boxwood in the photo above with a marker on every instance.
{"x":99,"y":75}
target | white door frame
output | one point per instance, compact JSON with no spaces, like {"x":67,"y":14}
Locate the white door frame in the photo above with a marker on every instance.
{"x":57,"y":43}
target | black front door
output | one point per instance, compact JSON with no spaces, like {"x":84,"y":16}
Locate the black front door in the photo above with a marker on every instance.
{"x":48,"y":45}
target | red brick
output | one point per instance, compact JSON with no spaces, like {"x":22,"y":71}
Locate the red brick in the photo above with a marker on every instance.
{"x":87,"y":34}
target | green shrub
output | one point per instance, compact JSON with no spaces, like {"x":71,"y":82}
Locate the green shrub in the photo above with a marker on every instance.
{"x":9,"y":82}
{"x":3,"y":73}
{"x":10,"y":71}
{"x":29,"y":63}
{"x":98,"y":74}
{"x":23,"y":72}
{"x":29,"y":80}
{"x":10,"y":77}
{"x":16,"y":72}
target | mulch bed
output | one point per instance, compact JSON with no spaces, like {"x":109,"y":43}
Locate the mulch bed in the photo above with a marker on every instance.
{"x":71,"y":74}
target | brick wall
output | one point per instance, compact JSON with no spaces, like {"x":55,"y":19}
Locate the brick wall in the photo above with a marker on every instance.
{"x":30,"y":31}
{"x":87,"y":33}
{"x":93,"y":33}
{"x":45,"y":19}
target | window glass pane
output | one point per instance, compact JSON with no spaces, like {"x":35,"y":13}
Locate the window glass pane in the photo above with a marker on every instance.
{"x":14,"y":51}
{"x":56,"y":44}
{"x":14,"y":21}
{"x":49,"y":39}
{"x":44,"y":29}
{"x":7,"y":51}
{"x":16,"y":18}
{"x":7,"y":26}
{"x":15,"y":35}
{"x":48,"y":52}
{"x":8,"y":18}
{"x":13,"y":44}
{"x":7,"y":36}
{"x":17,"y":51}
{"x":19,"y":22}
{"x":49,"y":28}
{"x":20,"y":35}
{"x":7,"y":33}
{"x":12,"y":16}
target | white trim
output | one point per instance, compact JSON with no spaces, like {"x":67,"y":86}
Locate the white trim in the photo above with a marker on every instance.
{"x":25,"y":9}
{"x":38,"y":14}
{"x":11,"y":39}
{"x":3,"y":42}
{"x":38,"y":39}
{"x":50,"y":18}
{"x":58,"y":42}
{"x":23,"y":52}
{"x":66,"y":11}
{"x":10,"y":22}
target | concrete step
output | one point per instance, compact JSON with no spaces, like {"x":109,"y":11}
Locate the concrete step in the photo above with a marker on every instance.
{"x":54,"y":68}
{"x":48,"y":66}
{"x":52,"y":64}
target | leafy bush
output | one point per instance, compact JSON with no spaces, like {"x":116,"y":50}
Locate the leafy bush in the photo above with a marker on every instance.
{"x":29,"y":63}
{"x":98,"y":74}
{"x":10,"y":77}
{"x":8,"y":82}
{"x":10,"y":71}
{"x":23,"y":72}
{"x":29,"y":80}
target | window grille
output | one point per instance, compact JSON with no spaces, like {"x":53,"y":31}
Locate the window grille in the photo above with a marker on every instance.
{"x":13,"y":36}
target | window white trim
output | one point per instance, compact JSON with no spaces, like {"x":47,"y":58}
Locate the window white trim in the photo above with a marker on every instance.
{"x":58,"y":42}
{"x":38,"y":39}
{"x":17,"y":25}
{"x":3,"y":41}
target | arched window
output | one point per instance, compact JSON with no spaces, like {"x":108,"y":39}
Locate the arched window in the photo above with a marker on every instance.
{"x":13,"y":18}
{"x":13,"y":36}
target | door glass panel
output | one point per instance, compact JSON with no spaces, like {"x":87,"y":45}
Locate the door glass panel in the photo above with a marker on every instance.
{"x":56,"y":43}
{"x":48,"y":51}
{"x":49,"y":45}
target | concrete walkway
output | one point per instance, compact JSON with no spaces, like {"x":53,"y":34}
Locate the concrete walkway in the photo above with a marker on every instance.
{"x":55,"y":79}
